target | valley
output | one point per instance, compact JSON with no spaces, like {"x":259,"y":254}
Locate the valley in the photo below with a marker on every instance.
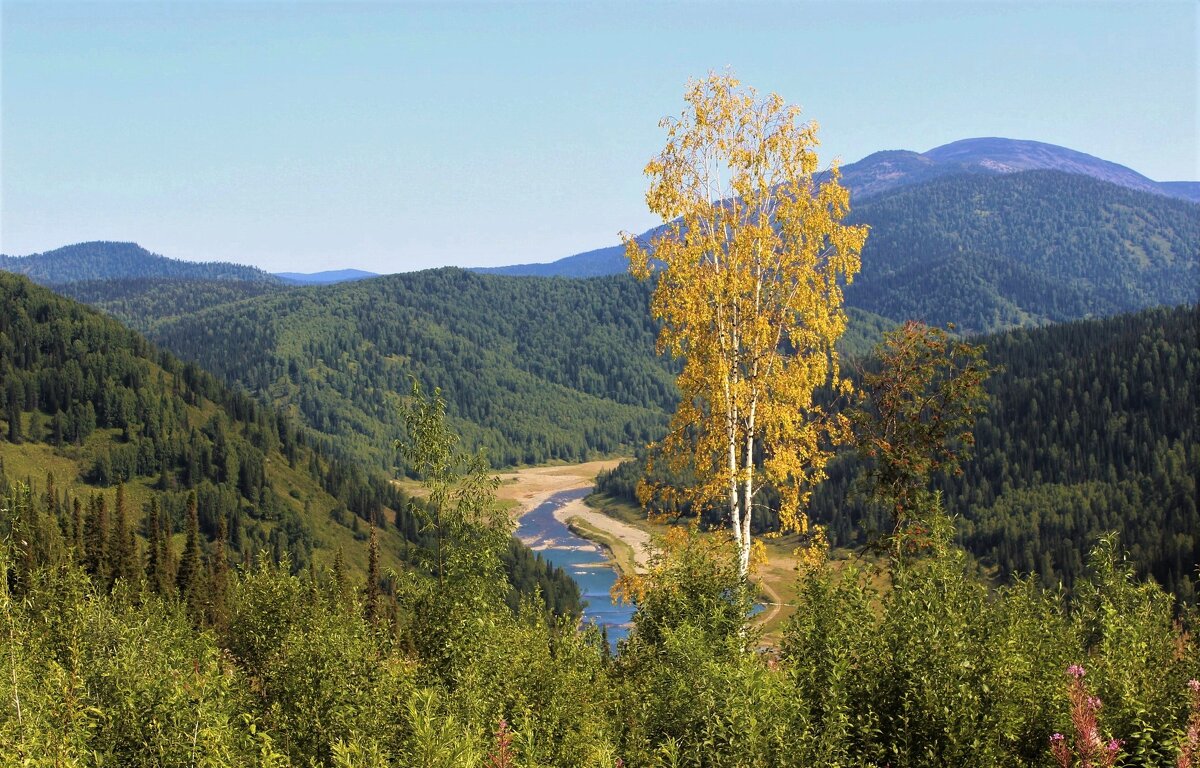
{"x":222,"y":437}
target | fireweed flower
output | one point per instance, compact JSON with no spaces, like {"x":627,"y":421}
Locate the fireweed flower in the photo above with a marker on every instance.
{"x":1194,"y":685}
{"x":1076,"y":671}
{"x":1114,"y":744}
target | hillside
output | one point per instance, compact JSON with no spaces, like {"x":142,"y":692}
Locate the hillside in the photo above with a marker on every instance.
{"x":532,"y":370}
{"x":89,"y":405}
{"x":106,"y":260}
{"x":992,"y":252}
{"x":143,"y":302}
{"x":1091,"y":427}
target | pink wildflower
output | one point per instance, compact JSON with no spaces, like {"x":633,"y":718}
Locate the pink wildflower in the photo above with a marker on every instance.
{"x":1076,"y":671}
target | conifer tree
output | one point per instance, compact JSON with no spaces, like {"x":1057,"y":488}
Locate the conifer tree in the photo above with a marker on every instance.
{"x":339,"y":576}
{"x":96,"y":536}
{"x":371,"y":607}
{"x":190,"y":564}
{"x":121,"y":553}
{"x":76,"y":537}
{"x":219,"y":576}
{"x":157,"y":563}
{"x":13,"y":412}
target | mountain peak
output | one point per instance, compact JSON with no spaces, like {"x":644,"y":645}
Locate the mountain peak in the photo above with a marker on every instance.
{"x":107,"y":260}
{"x":1000,"y":155}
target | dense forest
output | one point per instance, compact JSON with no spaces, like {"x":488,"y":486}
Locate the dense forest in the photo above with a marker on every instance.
{"x":1024,"y":249}
{"x":531,"y":371}
{"x":101,"y":260}
{"x":91,"y":405}
{"x":143,"y":302}
{"x":560,"y":369}
{"x":1090,"y":427}
{"x":283,"y":669}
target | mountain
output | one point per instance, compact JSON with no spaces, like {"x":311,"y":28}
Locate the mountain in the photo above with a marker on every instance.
{"x":141,"y":302}
{"x":894,"y":170}
{"x":102,"y":260}
{"x":602,"y":261}
{"x":1184,"y":190}
{"x":324,"y":278}
{"x":1090,"y":427}
{"x":994,"y":252}
{"x":87,"y":404}
{"x":532,"y":370}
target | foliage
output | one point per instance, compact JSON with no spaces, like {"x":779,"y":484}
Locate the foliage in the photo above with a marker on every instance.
{"x":750,"y":294}
{"x":173,"y":440}
{"x":1089,"y":427}
{"x":915,"y":419}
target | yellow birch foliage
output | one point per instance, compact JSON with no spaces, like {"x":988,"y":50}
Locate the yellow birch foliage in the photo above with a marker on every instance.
{"x":751,"y":264}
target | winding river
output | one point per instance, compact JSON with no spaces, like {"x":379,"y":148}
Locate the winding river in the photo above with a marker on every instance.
{"x":587,"y":563}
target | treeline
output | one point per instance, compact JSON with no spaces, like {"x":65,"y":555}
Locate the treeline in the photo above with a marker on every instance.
{"x":307,"y":669}
{"x":79,"y":387}
{"x":1091,"y":427}
{"x":1024,"y":249}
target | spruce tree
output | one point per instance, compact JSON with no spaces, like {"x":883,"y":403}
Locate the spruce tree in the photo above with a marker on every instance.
{"x":77,"y":529}
{"x":219,"y":576}
{"x":96,"y":535}
{"x":190,"y":563}
{"x":121,"y":553}
{"x":157,"y":572}
{"x":371,"y":602}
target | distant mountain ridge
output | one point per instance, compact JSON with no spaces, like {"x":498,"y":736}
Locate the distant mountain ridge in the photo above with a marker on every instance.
{"x":328,"y":277}
{"x":890,"y":171}
{"x":104,"y":260}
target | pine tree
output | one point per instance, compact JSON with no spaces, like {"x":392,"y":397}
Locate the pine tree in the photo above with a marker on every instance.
{"x":219,"y":576}
{"x":121,"y":553}
{"x":96,"y":536}
{"x":190,"y":564}
{"x":371,"y":606}
{"x":157,"y":573}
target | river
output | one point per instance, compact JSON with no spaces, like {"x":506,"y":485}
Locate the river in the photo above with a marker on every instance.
{"x":586,"y":562}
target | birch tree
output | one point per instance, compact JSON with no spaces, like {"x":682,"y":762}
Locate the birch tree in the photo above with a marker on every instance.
{"x":751,"y":264}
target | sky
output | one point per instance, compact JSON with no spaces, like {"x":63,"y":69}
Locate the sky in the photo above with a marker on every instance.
{"x":399,"y":136}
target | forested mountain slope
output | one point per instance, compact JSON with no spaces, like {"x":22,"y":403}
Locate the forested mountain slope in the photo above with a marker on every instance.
{"x":102,"y":260}
{"x":1091,"y":427}
{"x":532,"y":370}
{"x":89,"y":405}
{"x":142,"y":303}
{"x":993,"y":252}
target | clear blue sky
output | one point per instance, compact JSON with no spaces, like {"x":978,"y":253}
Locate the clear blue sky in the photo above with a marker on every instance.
{"x":398,"y":136}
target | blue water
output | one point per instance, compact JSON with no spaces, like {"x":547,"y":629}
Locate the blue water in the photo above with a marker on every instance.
{"x":584,"y":561}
